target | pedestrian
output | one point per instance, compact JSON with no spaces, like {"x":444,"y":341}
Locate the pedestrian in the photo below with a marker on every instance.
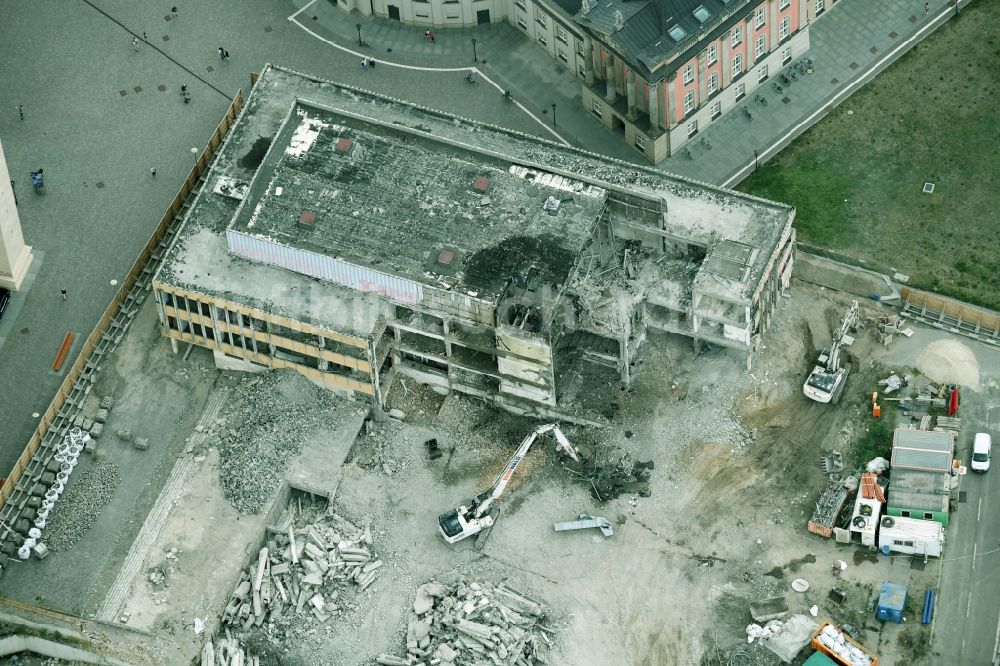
{"x":20,"y":111}
{"x":225,"y":56}
{"x":430,"y":36}
{"x":144,"y":37}
{"x":152,"y":171}
{"x":927,"y":7}
{"x":222,"y":53}
{"x":135,"y":43}
{"x":63,"y":292}
{"x":173,"y":10}
{"x":427,"y":35}
{"x":364,"y":63}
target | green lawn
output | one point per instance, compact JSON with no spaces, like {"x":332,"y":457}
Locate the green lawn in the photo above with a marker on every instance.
{"x":856,"y":177}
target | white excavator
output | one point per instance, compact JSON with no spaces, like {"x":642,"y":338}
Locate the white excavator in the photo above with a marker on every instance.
{"x":477,"y":516}
{"x":827,"y":380}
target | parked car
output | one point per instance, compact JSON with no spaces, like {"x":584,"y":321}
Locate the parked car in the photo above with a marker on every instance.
{"x":4,"y":300}
{"x":981,"y":446}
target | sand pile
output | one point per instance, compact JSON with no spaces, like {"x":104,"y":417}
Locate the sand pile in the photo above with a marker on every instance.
{"x":951,"y":362}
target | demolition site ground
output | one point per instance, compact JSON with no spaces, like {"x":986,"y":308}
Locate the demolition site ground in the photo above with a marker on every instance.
{"x":734,"y":479}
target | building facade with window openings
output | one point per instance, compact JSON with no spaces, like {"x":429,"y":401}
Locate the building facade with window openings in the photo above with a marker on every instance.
{"x":664,"y":70}
{"x":358,"y":239}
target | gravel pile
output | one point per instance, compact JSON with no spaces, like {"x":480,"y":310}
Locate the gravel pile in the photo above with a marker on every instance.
{"x":271,"y":417}
{"x":80,"y":505}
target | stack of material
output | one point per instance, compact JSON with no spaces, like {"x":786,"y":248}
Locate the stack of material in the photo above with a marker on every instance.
{"x":303,"y":569}
{"x":467,"y":624}
{"x":226,"y":652}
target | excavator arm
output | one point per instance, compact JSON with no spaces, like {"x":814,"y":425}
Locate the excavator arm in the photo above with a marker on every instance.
{"x":462,"y":522}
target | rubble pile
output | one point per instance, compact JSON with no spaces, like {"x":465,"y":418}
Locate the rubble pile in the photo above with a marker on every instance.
{"x":80,"y":505}
{"x":303,"y":572}
{"x":271,"y":417}
{"x":473,"y":624}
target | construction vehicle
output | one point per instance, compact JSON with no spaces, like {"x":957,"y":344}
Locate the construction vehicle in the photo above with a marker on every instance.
{"x":479,"y":514}
{"x":827,"y":380}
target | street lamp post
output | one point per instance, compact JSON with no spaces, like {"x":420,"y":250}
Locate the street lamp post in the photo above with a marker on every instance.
{"x":755,"y":163}
{"x":475,"y":56}
{"x":553,"y":114}
{"x":358,"y":26}
{"x":194,"y":151}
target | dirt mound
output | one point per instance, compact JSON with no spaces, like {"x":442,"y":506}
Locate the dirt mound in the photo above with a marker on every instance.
{"x":950,"y":361}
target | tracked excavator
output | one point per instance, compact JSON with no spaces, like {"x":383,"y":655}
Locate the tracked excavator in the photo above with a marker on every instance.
{"x":827,"y":380}
{"x":479,"y":514}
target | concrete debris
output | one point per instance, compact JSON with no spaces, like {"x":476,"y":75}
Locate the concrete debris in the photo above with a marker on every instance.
{"x":141,"y":443}
{"x":80,"y":505}
{"x":302,"y":576}
{"x":124,"y":434}
{"x":585,"y":521}
{"x":273,"y":414}
{"x":473,"y":623}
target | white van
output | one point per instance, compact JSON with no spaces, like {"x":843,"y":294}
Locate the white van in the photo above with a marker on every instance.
{"x":981,"y":446}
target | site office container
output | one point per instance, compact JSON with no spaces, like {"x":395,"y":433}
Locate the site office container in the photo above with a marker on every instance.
{"x":818,"y":645}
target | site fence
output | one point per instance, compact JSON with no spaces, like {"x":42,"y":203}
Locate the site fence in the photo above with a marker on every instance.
{"x":56,"y":420}
{"x":952,"y":315}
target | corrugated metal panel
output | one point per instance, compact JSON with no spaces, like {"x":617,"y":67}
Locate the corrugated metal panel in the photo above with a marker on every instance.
{"x":936,"y":440}
{"x":324,"y":267}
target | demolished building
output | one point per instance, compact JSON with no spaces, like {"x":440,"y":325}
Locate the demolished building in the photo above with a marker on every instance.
{"x":355,"y":237}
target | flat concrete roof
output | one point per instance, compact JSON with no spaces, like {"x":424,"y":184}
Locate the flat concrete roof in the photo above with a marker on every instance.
{"x":405,"y":189}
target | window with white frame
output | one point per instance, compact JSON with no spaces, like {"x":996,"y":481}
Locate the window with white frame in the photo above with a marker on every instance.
{"x":758,"y":17}
{"x":712,"y":54}
{"x":759,"y":47}
{"x":688,"y":102}
{"x":783,"y":5}
{"x":596,"y":108}
{"x":579,"y":48}
{"x":562,"y":55}
{"x":737,"y":65}
{"x":581,"y":71}
{"x":640,"y":143}
{"x":561,"y":34}
{"x":542,"y":40}
{"x":820,"y":6}
{"x":520,"y":3}
{"x":713,"y":83}
{"x":762,"y":74}
{"x":688,"y":73}
{"x":786,"y":55}
{"x":540,"y":18}
{"x":692,"y":128}
{"x":716,"y":109}
{"x":784,"y":28}
{"x":736,"y":37}
{"x":741,"y":90}
{"x":522,"y":23}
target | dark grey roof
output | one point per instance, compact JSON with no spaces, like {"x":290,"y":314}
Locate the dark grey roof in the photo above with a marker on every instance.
{"x":913,"y":489}
{"x":569,"y":7}
{"x":645,"y":39}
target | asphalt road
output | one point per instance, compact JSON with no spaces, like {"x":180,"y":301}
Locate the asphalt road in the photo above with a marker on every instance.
{"x":967,"y":621}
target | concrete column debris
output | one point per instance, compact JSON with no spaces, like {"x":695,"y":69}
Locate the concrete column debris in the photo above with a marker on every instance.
{"x":304,"y":575}
{"x":473,"y":623}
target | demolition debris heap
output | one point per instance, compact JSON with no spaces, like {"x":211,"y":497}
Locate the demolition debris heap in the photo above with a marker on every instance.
{"x":354,"y":237}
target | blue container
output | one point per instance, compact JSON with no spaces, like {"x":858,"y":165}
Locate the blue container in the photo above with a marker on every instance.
{"x":891,"y":603}
{"x":928,"y":615}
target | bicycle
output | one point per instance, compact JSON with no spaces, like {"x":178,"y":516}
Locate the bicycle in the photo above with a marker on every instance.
{"x":760,"y":100}
{"x":507,"y":97}
{"x":471,"y":81}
